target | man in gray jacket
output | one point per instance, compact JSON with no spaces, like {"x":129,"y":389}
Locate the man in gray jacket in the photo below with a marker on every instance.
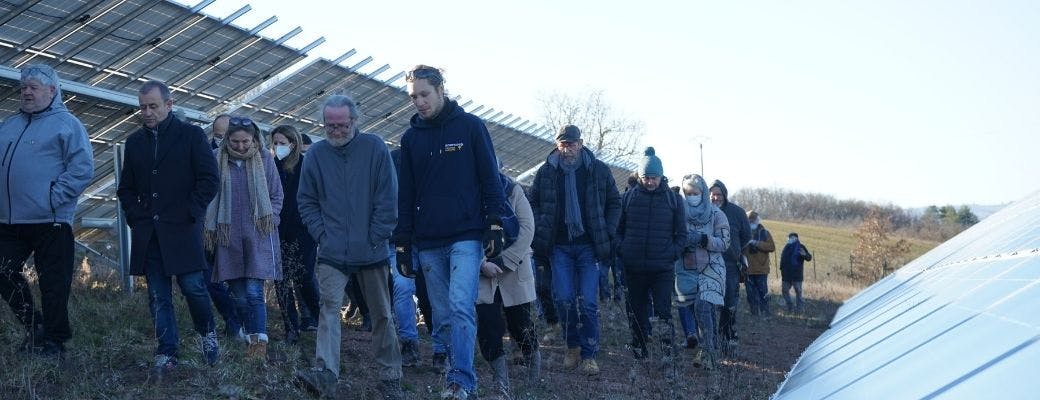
{"x":47,"y":163}
{"x":348,"y":201}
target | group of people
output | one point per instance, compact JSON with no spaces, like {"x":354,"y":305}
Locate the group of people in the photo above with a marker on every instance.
{"x":434,"y":220}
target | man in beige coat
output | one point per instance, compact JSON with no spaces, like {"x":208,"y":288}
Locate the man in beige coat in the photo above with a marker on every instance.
{"x":757,"y":253}
{"x":507,"y":284}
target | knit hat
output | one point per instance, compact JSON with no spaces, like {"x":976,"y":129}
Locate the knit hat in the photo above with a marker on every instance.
{"x":650,"y":165}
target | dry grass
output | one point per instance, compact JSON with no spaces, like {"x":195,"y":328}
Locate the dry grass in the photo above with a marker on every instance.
{"x":110,"y":353}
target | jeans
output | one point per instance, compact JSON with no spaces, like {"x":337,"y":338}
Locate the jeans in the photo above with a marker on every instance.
{"x":404,"y":302}
{"x":221,"y":296}
{"x":160,"y":301}
{"x":376,"y":290}
{"x":787,"y":285}
{"x":575,"y":278}
{"x":492,"y":327}
{"x":451,"y":281}
{"x":248,"y":294}
{"x":728,"y":313}
{"x":298,"y":257}
{"x":52,"y":248}
{"x":642,"y":289}
{"x":757,"y":287}
{"x":686,"y":318}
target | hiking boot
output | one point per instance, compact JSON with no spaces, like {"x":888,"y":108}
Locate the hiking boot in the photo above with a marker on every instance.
{"x":570,"y":360}
{"x":439,"y":360}
{"x":691,"y":342}
{"x":164,"y":364}
{"x":210,"y":348}
{"x":391,"y":389}
{"x":454,"y":391}
{"x":534,"y":365}
{"x":317,"y":381}
{"x":257,"y":346}
{"x":409,"y":353}
{"x":551,"y":334}
{"x":501,"y":374}
{"x":589,"y":366}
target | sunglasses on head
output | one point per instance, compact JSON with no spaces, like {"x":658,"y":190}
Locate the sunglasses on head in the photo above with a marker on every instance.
{"x":422,"y":73}
{"x":240,"y":121}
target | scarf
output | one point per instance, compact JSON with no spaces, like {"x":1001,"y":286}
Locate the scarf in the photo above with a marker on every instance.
{"x":218,"y":214}
{"x":700,"y":214}
{"x":572,"y":206}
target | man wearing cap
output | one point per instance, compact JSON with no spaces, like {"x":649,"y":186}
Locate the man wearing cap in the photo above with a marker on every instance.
{"x":47,"y":164}
{"x":792,"y":259}
{"x":739,"y":233}
{"x":653,"y":234}
{"x":757,"y":253}
{"x":577,"y":208}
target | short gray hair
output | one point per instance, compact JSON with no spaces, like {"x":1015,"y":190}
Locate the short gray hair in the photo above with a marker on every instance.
{"x":339,"y":101}
{"x":164,"y":91}
{"x":41,"y":72}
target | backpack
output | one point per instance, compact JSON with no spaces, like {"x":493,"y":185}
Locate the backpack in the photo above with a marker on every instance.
{"x":510,"y":224}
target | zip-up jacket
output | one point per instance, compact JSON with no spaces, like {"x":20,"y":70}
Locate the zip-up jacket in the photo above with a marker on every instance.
{"x":47,"y":164}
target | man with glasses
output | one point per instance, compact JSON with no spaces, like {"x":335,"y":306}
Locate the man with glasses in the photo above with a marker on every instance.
{"x":576,"y":211}
{"x":348,"y":202}
{"x":47,"y":163}
{"x":168,"y":179}
{"x":451,"y":200}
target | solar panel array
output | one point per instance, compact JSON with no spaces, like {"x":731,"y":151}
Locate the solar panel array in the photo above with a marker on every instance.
{"x":104,"y":49}
{"x":960,"y":322}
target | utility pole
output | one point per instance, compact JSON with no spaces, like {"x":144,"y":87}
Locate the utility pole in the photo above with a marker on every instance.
{"x":700,"y":139}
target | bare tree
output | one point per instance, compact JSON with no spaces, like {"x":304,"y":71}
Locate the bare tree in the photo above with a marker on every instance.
{"x":605,"y":130}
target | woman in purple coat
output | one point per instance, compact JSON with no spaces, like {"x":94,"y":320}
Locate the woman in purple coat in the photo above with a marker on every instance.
{"x":242,"y":227}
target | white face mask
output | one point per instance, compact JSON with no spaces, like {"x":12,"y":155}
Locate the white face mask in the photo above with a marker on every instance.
{"x":693,"y":201}
{"x":754,"y":225}
{"x":791,"y":240}
{"x":281,"y":151}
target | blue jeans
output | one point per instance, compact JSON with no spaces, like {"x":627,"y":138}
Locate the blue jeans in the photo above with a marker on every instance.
{"x":451,"y":274}
{"x":757,"y":287}
{"x":218,"y":292}
{"x":248,"y":294}
{"x":575,"y":278}
{"x":160,"y":301}
{"x":404,"y":303}
{"x":689,"y":324}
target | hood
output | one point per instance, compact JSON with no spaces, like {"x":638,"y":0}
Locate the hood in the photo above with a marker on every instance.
{"x":56,"y":106}
{"x":450,"y":111}
{"x":722,"y":187}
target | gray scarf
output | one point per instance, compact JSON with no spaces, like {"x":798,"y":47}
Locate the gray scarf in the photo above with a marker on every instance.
{"x":572,"y":207}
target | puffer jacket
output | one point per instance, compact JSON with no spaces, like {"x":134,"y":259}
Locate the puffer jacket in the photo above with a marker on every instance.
{"x":652,"y":229}
{"x":757,"y":251}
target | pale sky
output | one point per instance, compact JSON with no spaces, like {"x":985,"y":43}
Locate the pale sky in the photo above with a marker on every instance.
{"x":905,"y":102}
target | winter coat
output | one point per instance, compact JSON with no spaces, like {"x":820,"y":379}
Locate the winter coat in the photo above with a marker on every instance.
{"x":792,"y":261}
{"x":758,"y":253}
{"x":449,"y":179}
{"x":167,"y":195}
{"x":348,"y":201}
{"x":705,"y":279}
{"x":251,"y":253}
{"x":739,"y":227}
{"x":47,"y":163}
{"x":652,"y":230}
{"x":291,"y":229}
{"x":516,"y":282}
{"x":601,"y":206}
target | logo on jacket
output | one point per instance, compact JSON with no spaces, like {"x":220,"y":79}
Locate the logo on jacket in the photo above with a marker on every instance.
{"x":449,"y":147}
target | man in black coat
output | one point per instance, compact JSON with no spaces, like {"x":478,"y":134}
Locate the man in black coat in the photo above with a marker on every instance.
{"x":740,"y":234}
{"x":169,"y":177}
{"x":792,"y":259}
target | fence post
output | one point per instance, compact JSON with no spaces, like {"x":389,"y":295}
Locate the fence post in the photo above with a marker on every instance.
{"x":850,"y":267}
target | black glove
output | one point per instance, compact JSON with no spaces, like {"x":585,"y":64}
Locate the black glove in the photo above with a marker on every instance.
{"x":704,"y":240}
{"x":494,"y":238}
{"x":403,"y":247}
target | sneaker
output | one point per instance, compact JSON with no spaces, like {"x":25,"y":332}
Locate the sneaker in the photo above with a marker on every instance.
{"x":589,"y":366}
{"x":210,"y":348}
{"x":454,"y":391}
{"x":570,"y":360}
{"x":551,"y":334}
{"x":440,"y":360}
{"x":391,"y":389}
{"x":164,"y":364}
{"x":49,"y":349}
{"x":317,"y":381}
{"x":409,"y":353}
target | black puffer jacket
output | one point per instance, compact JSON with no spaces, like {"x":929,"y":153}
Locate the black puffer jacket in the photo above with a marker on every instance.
{"x":601,"y":213}
{"x":652,"y":229}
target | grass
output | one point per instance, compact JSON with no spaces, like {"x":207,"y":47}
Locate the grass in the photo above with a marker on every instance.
{"x":111,"y":350}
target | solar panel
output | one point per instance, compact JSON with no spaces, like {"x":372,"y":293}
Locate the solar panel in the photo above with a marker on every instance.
{"x":957,"y":322}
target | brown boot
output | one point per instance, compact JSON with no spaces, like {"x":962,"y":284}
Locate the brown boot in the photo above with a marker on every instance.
{"x":256,"y":349}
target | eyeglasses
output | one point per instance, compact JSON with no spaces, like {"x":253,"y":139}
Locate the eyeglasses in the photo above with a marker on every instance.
{"x":339,"y":127}
{"x":240,"y":121}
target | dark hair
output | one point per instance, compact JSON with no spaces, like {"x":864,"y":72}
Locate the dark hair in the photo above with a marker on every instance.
{"x":293,"y":136}
{"x":433,"y":75}
{"x":306,"y":139}
{"x":164,"y":91}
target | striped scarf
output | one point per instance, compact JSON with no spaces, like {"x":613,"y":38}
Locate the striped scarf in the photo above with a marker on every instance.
{"x":218,"y":214}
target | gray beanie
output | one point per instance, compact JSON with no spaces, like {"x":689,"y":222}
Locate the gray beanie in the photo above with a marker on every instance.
{"x":650,"y":165}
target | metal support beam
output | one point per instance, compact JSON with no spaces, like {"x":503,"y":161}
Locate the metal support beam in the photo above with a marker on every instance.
{"x":97,"y":37}
{"x":50,"y":30}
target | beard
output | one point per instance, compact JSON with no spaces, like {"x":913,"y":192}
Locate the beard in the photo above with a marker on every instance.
{"x":570,"y":160}
{"x":339,"y":142}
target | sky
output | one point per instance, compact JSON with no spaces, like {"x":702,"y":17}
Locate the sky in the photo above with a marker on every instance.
{"x":911,"y":103}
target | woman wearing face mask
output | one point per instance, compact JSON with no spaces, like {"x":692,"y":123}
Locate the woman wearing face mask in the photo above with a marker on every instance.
{"x":298,"y":248}
{"x":240,"y":227}
{"x":700,"y":275}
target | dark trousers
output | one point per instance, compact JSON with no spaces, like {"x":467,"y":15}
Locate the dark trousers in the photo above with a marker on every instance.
{"x":605,"y":273}
{"x":728,"y":313}
{"x":298,"y":258}
{"x":543,"y":289}
{"x":491,"y":327}
{"x":422,"y":295}
{"x":221,"y":297}
{"x":52,"y":247}
{"x":642,"y":289}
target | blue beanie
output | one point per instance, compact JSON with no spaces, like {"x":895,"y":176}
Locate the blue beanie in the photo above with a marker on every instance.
{"x":651,"y":165}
